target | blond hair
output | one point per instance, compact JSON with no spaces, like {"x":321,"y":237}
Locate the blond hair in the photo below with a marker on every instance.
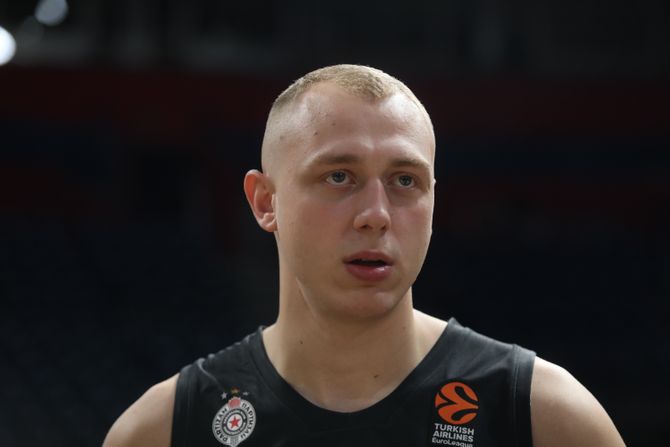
{"x":359,"y":80}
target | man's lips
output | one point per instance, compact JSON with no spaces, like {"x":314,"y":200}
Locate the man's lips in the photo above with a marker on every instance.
{"x":369,"y":265}
{"x":369,"y":258}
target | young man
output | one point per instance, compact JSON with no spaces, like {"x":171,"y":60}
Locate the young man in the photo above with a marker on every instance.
{"x":347,"y":189}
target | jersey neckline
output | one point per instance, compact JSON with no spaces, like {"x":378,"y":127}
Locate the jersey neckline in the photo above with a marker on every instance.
{"x":320,"y":418}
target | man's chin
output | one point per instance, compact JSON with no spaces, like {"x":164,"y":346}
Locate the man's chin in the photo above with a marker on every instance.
{"x":366,"y":306}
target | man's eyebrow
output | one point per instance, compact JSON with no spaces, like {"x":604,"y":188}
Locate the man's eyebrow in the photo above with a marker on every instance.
{"x":410,"y":162}
{"x":337,"y":159}
{"x":334,"y":159}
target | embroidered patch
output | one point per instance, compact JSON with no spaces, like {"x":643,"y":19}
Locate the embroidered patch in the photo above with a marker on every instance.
{"x":234,"y":422}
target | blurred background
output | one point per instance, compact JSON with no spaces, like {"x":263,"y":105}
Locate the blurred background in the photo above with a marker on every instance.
{"x":127,"y":249}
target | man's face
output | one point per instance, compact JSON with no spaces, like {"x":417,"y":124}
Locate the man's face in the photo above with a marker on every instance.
{"x":353,"y":201}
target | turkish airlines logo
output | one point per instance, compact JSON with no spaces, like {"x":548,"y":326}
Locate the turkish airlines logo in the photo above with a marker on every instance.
{"x":456,"y":403}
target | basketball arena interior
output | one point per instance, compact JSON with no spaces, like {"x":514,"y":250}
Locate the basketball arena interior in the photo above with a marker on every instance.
{"x":127,"y":248}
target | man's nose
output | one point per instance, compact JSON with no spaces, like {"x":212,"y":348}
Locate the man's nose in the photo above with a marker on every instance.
{"x":373,"y":208}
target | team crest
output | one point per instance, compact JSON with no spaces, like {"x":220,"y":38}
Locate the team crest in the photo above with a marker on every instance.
{"x":234,"y":422}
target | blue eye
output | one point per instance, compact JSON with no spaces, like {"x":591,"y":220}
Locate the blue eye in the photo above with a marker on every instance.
{"x":405,"y":181}
{"x":337,"y":177}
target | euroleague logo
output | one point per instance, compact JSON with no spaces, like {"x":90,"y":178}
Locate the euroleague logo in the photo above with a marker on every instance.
{"x":456,"y":403}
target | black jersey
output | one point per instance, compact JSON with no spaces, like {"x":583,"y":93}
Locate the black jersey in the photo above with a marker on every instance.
{"x":469,"y":391}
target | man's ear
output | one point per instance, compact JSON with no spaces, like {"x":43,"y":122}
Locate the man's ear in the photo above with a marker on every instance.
{"x":260,"y":191}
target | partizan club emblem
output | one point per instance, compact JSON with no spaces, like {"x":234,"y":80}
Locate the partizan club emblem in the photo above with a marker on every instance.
{"x":234,"y":422}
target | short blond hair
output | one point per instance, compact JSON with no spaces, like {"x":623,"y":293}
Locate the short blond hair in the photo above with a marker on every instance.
{"x":359,"y":80}
{"x":362,"y":81}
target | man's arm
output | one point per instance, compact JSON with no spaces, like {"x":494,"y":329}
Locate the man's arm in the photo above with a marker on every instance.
{"x":564,"y":413}
{"x":147,"y":422}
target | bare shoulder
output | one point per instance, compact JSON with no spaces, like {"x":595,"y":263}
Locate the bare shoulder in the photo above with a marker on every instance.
{"x":147,"y":422}
{"x":564,"y":412}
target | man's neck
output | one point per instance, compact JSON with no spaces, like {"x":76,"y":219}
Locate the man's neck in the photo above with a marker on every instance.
{"x":347,"y":367}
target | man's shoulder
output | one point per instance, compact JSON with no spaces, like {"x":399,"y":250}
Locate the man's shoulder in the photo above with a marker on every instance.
{"x":148,"y":421}
{"x":564,"y":412}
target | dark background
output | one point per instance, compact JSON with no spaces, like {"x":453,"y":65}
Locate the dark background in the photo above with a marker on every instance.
{"x":127,"y":249}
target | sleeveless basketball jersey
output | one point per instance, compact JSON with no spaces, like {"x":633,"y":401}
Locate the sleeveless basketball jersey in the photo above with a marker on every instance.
{"x":469,"y":391}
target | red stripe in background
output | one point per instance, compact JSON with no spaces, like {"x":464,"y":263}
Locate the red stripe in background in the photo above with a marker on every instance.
{"x":175,"y":104}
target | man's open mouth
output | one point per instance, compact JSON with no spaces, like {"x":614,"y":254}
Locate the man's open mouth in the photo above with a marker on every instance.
{"x":369,"y":262}
{"x":369,"y":265}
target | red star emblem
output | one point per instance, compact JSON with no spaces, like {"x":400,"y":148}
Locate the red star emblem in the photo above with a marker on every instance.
{"x":234,"y":422}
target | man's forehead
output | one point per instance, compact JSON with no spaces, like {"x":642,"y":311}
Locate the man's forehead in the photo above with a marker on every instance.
{"x":320,"y":101}
{"x":331,"y":105}
{"x":325,"y":107}
{"x":323,"y":98}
